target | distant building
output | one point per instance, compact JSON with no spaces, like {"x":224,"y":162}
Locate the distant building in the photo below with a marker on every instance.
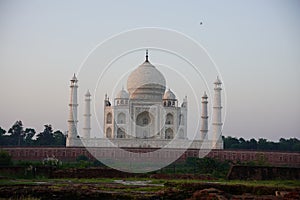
{"x":146,"y":116}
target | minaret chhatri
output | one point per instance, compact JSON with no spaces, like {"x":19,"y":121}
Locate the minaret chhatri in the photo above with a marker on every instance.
{"x":72,"y":122}
{"x":204,"y":118}
{"x":87,"y":116}
{"x":217,"y":142}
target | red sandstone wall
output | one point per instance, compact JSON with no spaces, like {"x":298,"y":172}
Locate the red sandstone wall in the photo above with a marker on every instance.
{"x":273,"y":158}
{"x":263,"y":173}
{"x":71,"y":153}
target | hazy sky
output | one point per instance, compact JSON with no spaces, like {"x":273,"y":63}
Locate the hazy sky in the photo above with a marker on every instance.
{"x":255,"y":44}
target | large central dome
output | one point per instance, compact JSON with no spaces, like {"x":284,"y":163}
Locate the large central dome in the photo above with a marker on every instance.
{"x":146,"y":82}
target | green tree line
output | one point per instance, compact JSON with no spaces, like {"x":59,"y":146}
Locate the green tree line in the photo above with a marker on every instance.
{"x":292,"y":144}
{"x":17,"y":135}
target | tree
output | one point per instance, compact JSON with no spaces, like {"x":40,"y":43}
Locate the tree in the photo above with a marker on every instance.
{"x":296,"y":147}
{"x":29,"y":133}
{"x":17,"y":133}
{"x":2,"y":137}
{"x":46,"y":137}
{"x":243,"y":144}
{"x":2,"y":131}
{"x":18,"y":137}
{"x":231,"y":142}
{"x":59,"y":138}
{"x":253,"y":144}
{"x":262,"y":144}
{"x":292,"y":144}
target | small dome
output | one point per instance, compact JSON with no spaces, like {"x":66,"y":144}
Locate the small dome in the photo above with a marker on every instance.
{"x":122,"y":94}
{"x":146,"y":81}
{"x":169,"y":95}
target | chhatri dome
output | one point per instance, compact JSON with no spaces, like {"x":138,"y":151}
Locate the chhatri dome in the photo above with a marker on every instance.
{"x":122,"y":94}
{"x":169,"y":95}
{"x":146,"y":82}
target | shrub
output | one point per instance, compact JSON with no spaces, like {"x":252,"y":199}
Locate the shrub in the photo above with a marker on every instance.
{"x":82,"y":158}
{"x":5,"y":158}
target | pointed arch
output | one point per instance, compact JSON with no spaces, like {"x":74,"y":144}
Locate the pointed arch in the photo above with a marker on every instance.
{"x":169,"y":134}
{"x":120,"y":133}
{"x":181,"y":119}
{"x":143,"y":119}
{"x":181,"y":134}
{"x":169,"y":119}
{"x":108,"y":133}
{"x":121,"y":118}
{"x":109,"y":118}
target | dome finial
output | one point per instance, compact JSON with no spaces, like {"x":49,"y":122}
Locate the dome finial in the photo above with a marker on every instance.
{"x":147,"y":55}
{"x":218,"y":81}
{"x":88,"y":94}
{"x":74,"y":79}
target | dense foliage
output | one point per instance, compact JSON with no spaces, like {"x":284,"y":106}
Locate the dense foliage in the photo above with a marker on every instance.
{"x":5,"y":158}
{"x":210,"y":166}
{"x":17,"y":135}
{"x":292,"y":144}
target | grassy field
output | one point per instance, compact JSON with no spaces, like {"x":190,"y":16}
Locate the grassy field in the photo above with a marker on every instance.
{"x":133,"y":188}
{"x":273,"y":183}
{"x":177,"y":181}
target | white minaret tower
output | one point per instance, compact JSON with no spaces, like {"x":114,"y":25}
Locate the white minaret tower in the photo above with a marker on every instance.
{"x":184,"y":115}
{"x":217,"y":142}
{"x":204,"y":118}
{"x":72,"y":122}
{"x":87,"y":116}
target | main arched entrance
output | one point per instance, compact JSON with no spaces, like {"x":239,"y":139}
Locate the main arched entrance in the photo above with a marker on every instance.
{"x":144,"y":125}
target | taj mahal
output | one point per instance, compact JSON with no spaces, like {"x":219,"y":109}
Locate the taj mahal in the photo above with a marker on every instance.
{"x":146,"y":115}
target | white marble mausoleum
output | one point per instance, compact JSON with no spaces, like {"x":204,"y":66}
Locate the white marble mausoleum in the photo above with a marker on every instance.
{"x":145,"y":115}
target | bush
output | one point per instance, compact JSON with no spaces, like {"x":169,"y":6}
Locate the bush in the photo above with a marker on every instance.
{"x":97,"y":163}
{"x":82,"y":158}
{"x":51,"y":162}
{"x":207,"y":165}
{"x":5,"y":158}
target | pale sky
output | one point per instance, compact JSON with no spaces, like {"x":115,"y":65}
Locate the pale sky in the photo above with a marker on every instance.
{"x":255,"y":44}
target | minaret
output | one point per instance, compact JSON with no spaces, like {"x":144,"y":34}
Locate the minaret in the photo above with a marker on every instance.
{"x":184,"y":103}
{"x":106,"y":101}
{"x":184,"y":115}
{"x":204,"y":118}
{"x":217,"y":141}
{"x":87,"y":116}
{"x":72,"y":122}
